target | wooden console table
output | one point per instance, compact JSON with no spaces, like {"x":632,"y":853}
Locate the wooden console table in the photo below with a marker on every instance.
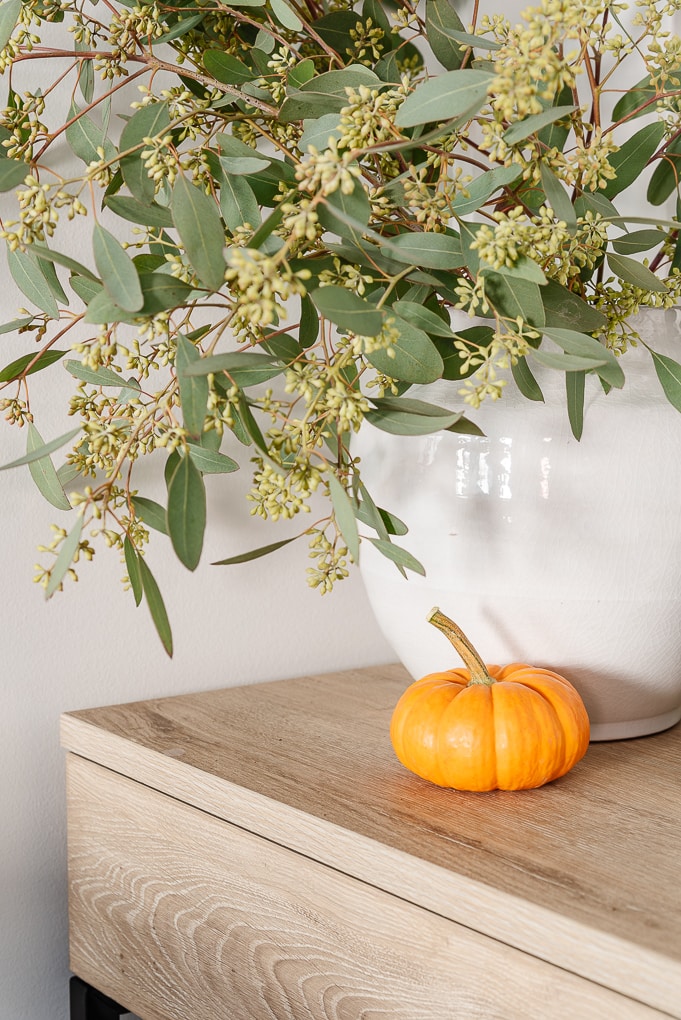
{"x":258,"y":853}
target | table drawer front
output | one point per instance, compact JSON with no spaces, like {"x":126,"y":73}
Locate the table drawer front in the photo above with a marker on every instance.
{"x":181,"y":916}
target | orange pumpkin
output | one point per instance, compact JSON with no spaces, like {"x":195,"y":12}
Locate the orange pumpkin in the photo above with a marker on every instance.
{"x":489,"y":727}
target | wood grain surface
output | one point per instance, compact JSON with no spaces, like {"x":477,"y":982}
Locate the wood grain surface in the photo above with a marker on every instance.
{"x":182,"y":916}
{"x":583,"y":873}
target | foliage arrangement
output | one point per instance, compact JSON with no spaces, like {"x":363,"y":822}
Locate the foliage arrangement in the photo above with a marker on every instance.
{"x":285,"y":201}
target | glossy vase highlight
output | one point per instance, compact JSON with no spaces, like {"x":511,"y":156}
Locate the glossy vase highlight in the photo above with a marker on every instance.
{"x":566,"y":554}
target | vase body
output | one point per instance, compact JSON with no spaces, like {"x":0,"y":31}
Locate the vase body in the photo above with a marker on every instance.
{"x":546,"y":550}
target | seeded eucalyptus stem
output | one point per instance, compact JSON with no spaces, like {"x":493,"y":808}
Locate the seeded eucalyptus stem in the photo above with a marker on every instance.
{"x":471,"y":658}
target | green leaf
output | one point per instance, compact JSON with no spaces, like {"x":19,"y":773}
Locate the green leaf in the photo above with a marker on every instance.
{"x":12,"y":173}
{"x":43,"y":472}
{"x":525,"y":381}
{"x":117,"y":271}
{"x":513,"y":297}
{"x":46,"y":267}
{"x":147,"y":122}
{"x":634,"y":272}
{"x":633,"y":98}
{"x":86,"y":72}
{"x":347,"y":310}
{"x":565,"y":362}
{"x":355,"y":206}
{"x":558,"y":198}
{"x":423,"y":318}
{"x":46,"y":254}
{"x":133,"y":567}
{"x":669,"y":374}
{"x":633,"y":156}
{"x":574,"y":384}
{"x":96,"y":376}
{"x":665,"y":178}
{"x":522,"y":269}
{"x":563,"y":308}
{"x":429,"y":250}
{"x":211,"y":462}
{"x":16,"y":324}
{"x":161,"y":292}
{"x":317,"y":132}
{"x":471,"y":41}
{"x":576,"y":343}
{"x":156,"y":606}
{"x":449,"y":95}
{"x":345,"y":516}
{"x":42,"y":451}
{"x":187,"y":512}
{"x":40,"y":359}
{"x":254,"y":554}
{"x":197,"y":221}
{"x":147,"y":213}
{"x":244,"y":368}
{"x":285,"y":15}
{"x":412,"y":358}
{"x":85,"y":137}
{"x":402,"y":416}
{"x":9,"y":16}
{"x":483,"y":187}
{"x":67,"y":553}
{"x":26,"y":274}
{"x":308,"y":331}
{"x":151,"y":513}
{"x":398,"y":555}
{"x":194,"y":391}
{"x":522,"y":129}
{"x":226,"y":69}
{"x":638,"y":240}
{"x":442,"y":18}
{"x":238,"y":203}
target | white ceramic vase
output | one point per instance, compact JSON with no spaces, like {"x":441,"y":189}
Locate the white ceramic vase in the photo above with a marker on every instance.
{"x":546,"y":550}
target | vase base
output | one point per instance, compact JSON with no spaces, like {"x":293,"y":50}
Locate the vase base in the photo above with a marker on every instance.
{"x":635,"y":727}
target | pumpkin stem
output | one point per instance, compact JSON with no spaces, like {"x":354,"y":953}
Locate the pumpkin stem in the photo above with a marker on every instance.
{"x":474,"y":664}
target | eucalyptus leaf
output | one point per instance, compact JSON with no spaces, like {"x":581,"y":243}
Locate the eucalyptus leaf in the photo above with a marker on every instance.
{"x":483,"y":187}
{"x":634,"y":272}
{"x":226,"y":68}
{"x":44,"y":473}
{"x":441,"y":19}
{"x":580,"y":344}
{"x":558,"y":198}
{"x":12,"y":173}
{"x":565,"y":362}
{"x":243,"y":367}
{"x":85,"y":137}
{"x":133,"y":567}
{"x":46,"y":254}
{"x":198,"y":223}
{"x":41,"y":451}
{"x":423,"y":318}
{"x":345,"y":515}
{"x":9,"y":16}
{"x":148,"y":213}
{"x":117,"y":270}
{"x":238,"y":203}
{"x":147,"y":122}
{"x":347,"y":310}
{"x":156,"y":606}
{"x":407,"y":418}
{"x":186,"y":515}
{"x":318,"y":131}
{"x":522,"y":129}
{"x":398,"y":555}
{"x":430,"y":250}
{"x":453,"y":94}
{"x":412,"y":357}
{"x":254,"y":554}
{"x":152,"y":513}
{"x":632,"y":157}
{"x":25,"y":272}
{"x":211,"y":462}
{"x":525,"y":380}
{"x":67,"y":553}
{"x":574,"y":385}
{"x":194,"y":390}
{"x":38,"y":360}
{"x":669,"y":373}
{"x":96,"y":376}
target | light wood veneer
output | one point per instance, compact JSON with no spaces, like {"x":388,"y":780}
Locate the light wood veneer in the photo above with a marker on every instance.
{"x":258,"y":852}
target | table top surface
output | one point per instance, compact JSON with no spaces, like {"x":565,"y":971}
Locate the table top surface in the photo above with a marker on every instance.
{"x":308,"y":763}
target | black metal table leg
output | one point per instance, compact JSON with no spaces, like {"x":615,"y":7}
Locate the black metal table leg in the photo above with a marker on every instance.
{"x":89,"y":1004}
